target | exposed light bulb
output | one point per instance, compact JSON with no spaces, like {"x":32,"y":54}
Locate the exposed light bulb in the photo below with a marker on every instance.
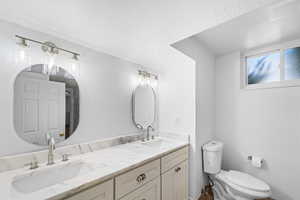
{"x":74,"y":66}
{"x":51,"y":64}
{"x":148,"y":81}
{"x":142,"y":80}
{"x":22,"y":57}
{"x":153,"y":83}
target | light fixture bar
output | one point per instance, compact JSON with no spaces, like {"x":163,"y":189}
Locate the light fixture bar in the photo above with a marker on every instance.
{"x":45,"y":44}
{"x":147,"y":74}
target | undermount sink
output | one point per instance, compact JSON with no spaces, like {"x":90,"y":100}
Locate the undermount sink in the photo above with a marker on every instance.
{"x":48,"y":176}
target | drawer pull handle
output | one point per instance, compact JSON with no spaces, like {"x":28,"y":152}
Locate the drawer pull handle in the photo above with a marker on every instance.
{"x":177,"y":169}
{"x":141,"y":178}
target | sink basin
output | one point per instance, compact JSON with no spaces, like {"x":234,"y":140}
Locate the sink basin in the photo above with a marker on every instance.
{"x":153,"y":143}
{"x":48,"y":176}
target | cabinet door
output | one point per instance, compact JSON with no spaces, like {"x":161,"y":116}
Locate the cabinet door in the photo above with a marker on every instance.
{"x":175,"y":183}
{"x":102,"y":191}
{"x":149,"y":191}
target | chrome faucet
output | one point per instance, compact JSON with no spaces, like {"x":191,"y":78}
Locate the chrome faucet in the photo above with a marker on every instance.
{"x":51,"y":147}
{"x":148,"y":131}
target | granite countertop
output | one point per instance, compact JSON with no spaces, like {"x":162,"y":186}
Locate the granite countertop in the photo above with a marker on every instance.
{"x":99,"y":165}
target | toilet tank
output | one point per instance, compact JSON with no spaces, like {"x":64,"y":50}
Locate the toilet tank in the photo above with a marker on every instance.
{"x":212,"y":157}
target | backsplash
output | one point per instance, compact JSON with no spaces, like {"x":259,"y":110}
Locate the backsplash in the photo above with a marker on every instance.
{"x":13,"y":162}
{"x":18,"y":161}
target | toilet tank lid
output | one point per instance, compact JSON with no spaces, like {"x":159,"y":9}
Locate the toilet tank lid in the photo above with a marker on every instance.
{"x":213,"y":146}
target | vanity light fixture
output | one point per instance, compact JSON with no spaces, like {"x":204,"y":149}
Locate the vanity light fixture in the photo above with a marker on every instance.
{"x":52,"y":51}
{"x":148,"y":78}
{"x":50,"y":47}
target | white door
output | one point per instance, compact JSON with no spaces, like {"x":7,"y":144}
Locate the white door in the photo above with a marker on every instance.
{"x":149,"y":191}
{"x":175,"y":183}
{"x":39,"y":109}
{"x":55,"y":105}
{"x":27,"y":108}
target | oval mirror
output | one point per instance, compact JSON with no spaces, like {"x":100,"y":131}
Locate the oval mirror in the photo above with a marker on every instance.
{"x":144,"y":106}
{"x":45,"y":104}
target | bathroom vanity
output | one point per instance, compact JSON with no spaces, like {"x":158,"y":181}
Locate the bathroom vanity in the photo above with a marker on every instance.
{"x":151,"y":170}
{"x":166,"y":176}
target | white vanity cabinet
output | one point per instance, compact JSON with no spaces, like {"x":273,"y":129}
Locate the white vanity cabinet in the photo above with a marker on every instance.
{"x":103,"y":191}
{"x":171,"y":182}
{"x":165,"y":178}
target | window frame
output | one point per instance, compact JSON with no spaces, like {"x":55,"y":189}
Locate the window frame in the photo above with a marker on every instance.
{"x":262,"y":51}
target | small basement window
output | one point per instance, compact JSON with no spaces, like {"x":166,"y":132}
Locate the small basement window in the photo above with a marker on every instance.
{"x":263,"y":68}
{"x":292,"y":63}
{"x":276,"y":67}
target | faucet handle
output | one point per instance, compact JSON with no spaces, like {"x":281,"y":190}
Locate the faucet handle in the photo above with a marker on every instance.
{"x":139,"y":126}
{"x":151,"y":127}
{"x":33,"y":164}
{"x":65,"y":157}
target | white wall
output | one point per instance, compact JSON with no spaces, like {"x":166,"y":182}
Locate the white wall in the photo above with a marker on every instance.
{"x":263,"y":122}
{"x":106,"y":84}
{"x":205,"y":107}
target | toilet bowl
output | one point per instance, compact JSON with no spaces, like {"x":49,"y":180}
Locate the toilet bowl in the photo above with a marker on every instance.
{"x":235,"y":185}
{"x":231,"y":185}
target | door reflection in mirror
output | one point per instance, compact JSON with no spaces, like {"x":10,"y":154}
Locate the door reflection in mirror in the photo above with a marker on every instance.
{"x":45,"y":104}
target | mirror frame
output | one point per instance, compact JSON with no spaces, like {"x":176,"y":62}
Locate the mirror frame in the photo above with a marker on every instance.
{"x":133,"y":108}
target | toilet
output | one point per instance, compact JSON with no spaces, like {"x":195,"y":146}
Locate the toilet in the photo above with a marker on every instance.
{"x":231,"y":185}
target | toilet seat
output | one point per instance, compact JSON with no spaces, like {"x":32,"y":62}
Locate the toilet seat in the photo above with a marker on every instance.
{"x":247,"y":181}
{"x":244,"y":183}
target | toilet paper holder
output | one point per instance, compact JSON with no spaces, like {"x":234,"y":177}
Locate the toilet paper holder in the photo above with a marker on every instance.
{"x":250,"y":158}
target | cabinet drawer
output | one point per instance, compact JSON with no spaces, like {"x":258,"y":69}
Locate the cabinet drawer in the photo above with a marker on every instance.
{"x":150,"y":191}
{"x":171,"y":160}
{"x":135,"y":178}
{"x":103,"y":191}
